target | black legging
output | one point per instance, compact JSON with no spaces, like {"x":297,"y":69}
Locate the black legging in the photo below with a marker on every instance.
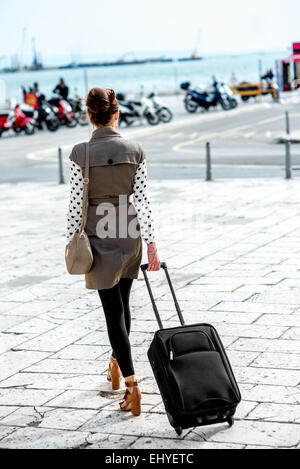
{"x":115,"y":302}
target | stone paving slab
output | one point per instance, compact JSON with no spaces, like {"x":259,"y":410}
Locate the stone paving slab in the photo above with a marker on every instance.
{"x":233,"y":250}
{"x":26,"y":397}
{"x":272,"y":376}
{"x":274,"y":393}
{"x":276,"y":413}
{"x":276,"y":435}
{"x":267,"y":345}
{"x":163,"y":443}
{"x":59,"y":381}
{"x":293,"y":333}
{"x":44,"y":438}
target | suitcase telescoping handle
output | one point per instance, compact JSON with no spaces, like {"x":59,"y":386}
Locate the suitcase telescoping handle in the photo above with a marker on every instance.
{"x":163,"y":265}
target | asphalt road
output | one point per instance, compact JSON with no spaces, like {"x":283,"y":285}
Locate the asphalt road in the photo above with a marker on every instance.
{"x":243,"y":144}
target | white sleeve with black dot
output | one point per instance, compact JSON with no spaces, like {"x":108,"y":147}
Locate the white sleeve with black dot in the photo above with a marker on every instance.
{"x":142,"y":204}
{"x":76,"y":197}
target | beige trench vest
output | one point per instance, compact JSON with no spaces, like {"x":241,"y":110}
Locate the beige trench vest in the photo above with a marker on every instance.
{"x":113,"y":163}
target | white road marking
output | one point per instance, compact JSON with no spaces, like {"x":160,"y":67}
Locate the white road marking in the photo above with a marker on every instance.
{"x":179,"y":146}
{"x":44,"y":154}
{"x":230,"y":132}
{"x":249,"y":134}
{"x":160,"y":135}
{"x":271,"y":119}
{"x":171,"y":136}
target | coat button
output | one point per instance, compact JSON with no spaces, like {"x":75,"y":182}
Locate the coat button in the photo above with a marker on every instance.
{"x":110,"y":161}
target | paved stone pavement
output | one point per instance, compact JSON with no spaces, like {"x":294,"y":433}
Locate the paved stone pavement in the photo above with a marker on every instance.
{"x":233,"y":250}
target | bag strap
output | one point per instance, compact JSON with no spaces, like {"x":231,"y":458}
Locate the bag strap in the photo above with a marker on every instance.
{"x":86,"y":181}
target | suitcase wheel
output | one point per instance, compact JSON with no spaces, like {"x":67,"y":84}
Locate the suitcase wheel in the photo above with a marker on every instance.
{"x":178,"y":430}
{"x":230,"y":421}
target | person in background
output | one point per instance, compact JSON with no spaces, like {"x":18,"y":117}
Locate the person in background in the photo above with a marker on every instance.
{"x":32,"y":89}
{"x":62,"y":89}
{"x":36,"y":88}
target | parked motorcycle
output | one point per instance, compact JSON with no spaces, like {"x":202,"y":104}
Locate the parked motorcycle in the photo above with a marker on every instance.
{"x":206,"y":99}
{"x":63,"y":111}
{"x":17,"y":121}
{"x":29,"y":111}
{"x":79,"y":109}
{"x":42,"y":113}
{"x":230,"y":96}
{"x":126,"y":115}
{"x":164,"y":113}
{"x":130,"y":111}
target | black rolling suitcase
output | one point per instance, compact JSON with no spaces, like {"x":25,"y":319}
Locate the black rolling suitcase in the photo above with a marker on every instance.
{"x":192,"y":371}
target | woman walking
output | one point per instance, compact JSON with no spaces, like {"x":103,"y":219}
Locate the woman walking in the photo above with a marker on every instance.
{"x":118,"y":169}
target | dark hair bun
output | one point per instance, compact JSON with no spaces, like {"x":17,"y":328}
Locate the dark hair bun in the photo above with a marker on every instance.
{"x":102,"y":105}
{"x":112,"y":96}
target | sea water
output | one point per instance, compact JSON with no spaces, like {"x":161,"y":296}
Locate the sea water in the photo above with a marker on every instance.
{"x":158,"y":77}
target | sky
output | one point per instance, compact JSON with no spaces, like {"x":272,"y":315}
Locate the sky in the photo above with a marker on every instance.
{"x":67,"y":30}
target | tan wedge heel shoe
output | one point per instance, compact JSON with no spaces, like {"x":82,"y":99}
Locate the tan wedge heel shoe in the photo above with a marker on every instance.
{"x":132,"y":400}
{"x":114,"y":374}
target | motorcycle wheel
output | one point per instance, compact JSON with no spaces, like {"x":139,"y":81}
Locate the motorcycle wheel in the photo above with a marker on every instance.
{"x":123,"y":118}
{"x":71,"y":122}
{"x":29,"y":129}
{"x":190,"y":105}
{"x":165,"y":115}
{"x":152,"y":119}
{"x":225,"y":104}
{"x":52,"y":124}
{"x":1,"y":133}
{"x":128,"y":122}
{"x":233,"y":103}
{"x":83,"y":119}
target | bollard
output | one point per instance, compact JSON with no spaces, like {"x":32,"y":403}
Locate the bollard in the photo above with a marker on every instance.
{"x":60,"y":167}
{"x":287,"y":122}
{"x":288,"y":169}
{"x":208,"y":163}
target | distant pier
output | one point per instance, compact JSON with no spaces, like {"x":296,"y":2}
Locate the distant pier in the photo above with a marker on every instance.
{"x":104,"y":64}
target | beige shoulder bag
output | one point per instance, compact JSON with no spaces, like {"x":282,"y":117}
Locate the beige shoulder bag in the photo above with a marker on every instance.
{"x":79,"y":256}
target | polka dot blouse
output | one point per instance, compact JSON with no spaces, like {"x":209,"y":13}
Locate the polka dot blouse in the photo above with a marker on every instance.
{"x":140,"y":201}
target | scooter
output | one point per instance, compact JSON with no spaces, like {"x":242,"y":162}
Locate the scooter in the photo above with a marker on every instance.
{"x":207,"y":99}
{"x":130,"y":111}
{"x":30,"y":111}
{"x":63,"y":111}
{"x":17,"y":121}
{"x":164,"y":113}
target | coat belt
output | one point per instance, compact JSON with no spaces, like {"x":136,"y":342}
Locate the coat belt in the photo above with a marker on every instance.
{"x":111,"y":200}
